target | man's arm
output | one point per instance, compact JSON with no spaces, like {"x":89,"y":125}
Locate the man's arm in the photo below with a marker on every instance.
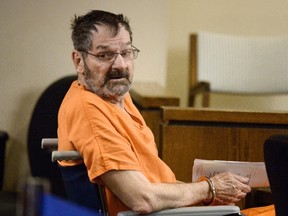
{"x":136,"y":192}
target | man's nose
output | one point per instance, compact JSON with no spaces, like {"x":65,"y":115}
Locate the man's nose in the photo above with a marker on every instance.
{"x":119,"y":62}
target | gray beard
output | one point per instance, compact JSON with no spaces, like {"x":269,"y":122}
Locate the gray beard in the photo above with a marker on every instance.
{"x":112,"y":91}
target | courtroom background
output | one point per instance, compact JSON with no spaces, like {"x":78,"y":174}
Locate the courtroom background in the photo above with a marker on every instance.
{"x":35,"y":49}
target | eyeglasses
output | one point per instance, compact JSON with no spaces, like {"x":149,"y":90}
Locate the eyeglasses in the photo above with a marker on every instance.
{"x":110,"y":56}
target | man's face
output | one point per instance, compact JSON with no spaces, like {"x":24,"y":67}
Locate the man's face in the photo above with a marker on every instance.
{"x":109,"y":80}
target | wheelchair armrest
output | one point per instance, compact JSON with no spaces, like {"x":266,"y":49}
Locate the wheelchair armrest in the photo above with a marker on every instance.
{"x":65,"y":155}
{"x":49,"y":143}
{"x":193,"y":211}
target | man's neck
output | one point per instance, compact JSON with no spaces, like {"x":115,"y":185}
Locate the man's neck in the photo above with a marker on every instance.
{"x":117,"y":100}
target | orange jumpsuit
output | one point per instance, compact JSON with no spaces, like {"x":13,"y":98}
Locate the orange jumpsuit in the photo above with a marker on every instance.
{"x":260,"y":211}
{"x":108,"y":138}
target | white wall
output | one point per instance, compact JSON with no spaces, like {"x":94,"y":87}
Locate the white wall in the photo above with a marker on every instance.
{"x":35,"y":48}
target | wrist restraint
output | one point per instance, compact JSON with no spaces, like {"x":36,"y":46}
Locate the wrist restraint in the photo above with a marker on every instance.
{"x":211,"y":188}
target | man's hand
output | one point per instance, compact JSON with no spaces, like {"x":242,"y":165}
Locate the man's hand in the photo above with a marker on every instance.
{"x":230,"y":188}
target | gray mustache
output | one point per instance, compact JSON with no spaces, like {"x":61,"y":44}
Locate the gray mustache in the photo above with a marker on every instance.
{"x":117,"y":74}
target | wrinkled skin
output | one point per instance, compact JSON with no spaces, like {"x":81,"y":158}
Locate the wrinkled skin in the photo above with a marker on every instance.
{"x":230,"y":188}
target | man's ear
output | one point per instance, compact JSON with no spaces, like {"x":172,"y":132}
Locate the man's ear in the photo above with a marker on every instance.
{"x":78,"y":61}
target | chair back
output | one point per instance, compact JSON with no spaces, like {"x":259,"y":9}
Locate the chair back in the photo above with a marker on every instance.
{"x":43,"y":123}
{"x":276,"y":161}
{"x":237,"y":65}
{"x":79,"y":189}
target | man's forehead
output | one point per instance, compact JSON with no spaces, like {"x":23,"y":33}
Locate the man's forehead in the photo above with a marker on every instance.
{"x":105,"y":37}
{"x":109,"y":31}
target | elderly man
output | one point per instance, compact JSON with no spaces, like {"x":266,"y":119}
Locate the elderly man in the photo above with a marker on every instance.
{"x":98,"y":119}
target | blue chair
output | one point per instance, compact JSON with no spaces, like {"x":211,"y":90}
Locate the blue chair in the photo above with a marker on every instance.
{"x":80,"y":190}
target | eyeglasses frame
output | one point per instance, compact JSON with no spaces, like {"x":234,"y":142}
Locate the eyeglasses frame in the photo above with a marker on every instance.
{"x":115,"y":54}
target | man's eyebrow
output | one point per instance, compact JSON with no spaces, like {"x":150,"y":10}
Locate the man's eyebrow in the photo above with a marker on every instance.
{"x":105,"y":47}
{"x":102,"y":47}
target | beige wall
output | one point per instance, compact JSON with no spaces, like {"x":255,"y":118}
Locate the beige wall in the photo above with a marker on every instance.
{"x":35,"y":48}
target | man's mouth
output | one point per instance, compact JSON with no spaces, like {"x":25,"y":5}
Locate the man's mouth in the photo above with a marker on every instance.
{"x":116,"y":77}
